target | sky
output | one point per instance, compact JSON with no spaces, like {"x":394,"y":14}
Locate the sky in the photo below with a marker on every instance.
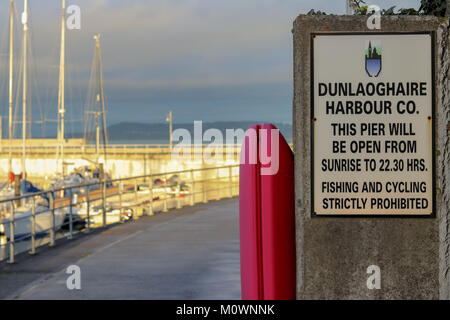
{"x":209,"y":60}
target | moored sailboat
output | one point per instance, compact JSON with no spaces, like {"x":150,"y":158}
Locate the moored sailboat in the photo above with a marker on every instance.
{"x":21,"y":214}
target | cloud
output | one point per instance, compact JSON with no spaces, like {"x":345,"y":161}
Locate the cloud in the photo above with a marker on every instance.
{"x":179,"y":47}
{"x":178,"y":40}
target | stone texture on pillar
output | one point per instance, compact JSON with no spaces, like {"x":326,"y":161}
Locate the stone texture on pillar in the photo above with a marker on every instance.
{"x":333,"y":253}
{"x":443,"y":114}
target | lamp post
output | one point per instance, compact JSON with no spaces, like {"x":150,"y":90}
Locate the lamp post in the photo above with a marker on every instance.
{"x":170,"y":120}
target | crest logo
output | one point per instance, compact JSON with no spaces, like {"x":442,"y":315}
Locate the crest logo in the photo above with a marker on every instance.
{"x":373,"y":58}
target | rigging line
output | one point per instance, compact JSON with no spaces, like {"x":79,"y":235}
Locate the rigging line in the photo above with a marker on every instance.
{"x":3,"y":63}
{"x":33,"y":73}
{"x":30,"y":122}
{"x":90,"y":102}
{"x":17,"y":62}
{"x":34,"y":79}
{"x":4,"y":67}
{"x":77,"y":75}
{"x":74,"y":73}
{"x":55,"y":120}
{"x":69,"y":86}
{"x":51,"y":91}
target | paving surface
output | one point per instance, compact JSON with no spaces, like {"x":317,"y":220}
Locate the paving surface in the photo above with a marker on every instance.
{"x":191,"y":253}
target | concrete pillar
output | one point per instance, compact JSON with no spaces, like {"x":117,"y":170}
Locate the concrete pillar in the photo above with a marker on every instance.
{"x":333,"y":254}
{"x":443,"y":110}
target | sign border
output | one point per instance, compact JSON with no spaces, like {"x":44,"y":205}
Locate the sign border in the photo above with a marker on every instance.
{"x":433,"y":129}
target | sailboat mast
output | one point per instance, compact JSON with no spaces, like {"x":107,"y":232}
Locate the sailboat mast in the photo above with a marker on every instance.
{"x":24,"y":96}
{"x":100,"y":97}
{"x":61,"y":92}
{"x":11,"y":64}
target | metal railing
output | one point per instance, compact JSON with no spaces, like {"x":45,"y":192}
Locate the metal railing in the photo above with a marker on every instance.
{"x":36,"y":219}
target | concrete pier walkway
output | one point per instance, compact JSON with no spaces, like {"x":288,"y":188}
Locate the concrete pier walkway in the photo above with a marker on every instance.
{"x":191,"y":253}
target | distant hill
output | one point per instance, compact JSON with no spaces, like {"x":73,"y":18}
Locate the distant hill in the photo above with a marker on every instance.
{"x":134,"y":131}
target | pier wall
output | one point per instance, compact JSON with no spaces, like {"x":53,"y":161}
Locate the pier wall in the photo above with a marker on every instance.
{"x":119,"y":164}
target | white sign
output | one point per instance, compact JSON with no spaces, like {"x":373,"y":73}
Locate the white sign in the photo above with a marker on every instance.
{"x":372,"y":124}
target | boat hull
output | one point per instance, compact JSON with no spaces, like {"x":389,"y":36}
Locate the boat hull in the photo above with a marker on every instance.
{"x":23,"y":224}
